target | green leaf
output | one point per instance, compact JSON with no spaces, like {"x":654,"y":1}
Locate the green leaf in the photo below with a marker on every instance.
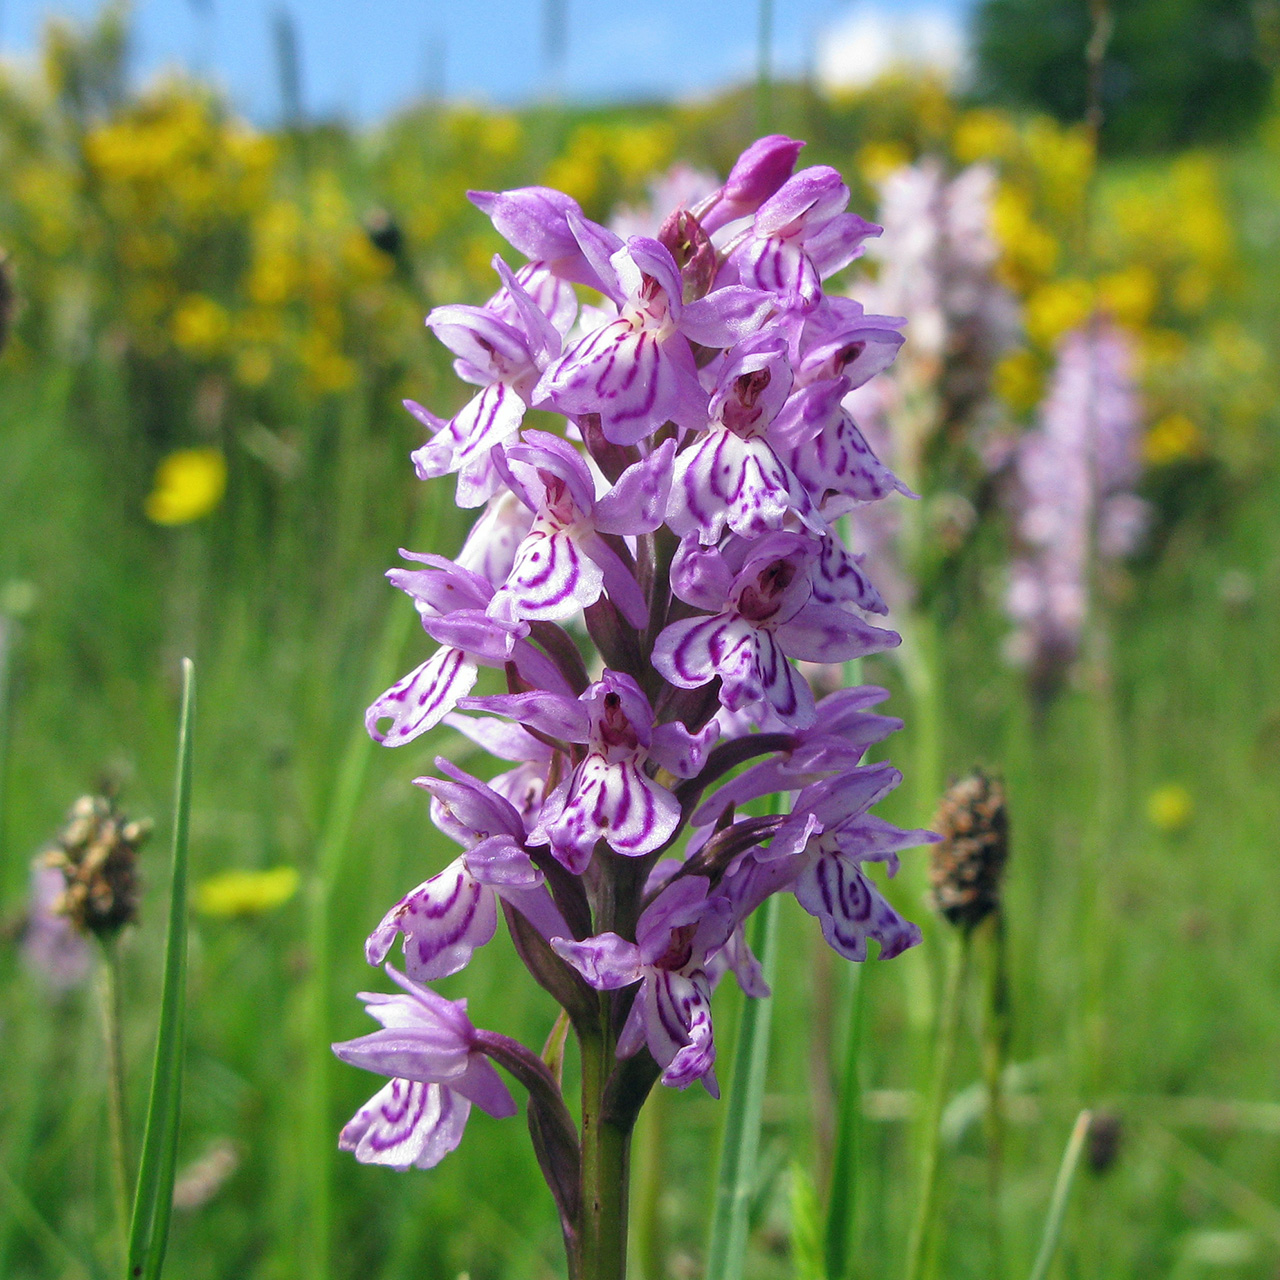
{"x":1061,"y":1192}
{"x":728,"y":1246}
{"x":153,"y":1199}
{"x":806,"y":1228}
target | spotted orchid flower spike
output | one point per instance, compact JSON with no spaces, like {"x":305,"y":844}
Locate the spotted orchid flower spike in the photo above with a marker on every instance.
{"x":639,"y":585}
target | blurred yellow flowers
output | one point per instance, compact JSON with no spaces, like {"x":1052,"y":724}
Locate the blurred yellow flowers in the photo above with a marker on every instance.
{"x":189,"y":484}
{"x":1170,"y":808}
{"x":245,"y":893}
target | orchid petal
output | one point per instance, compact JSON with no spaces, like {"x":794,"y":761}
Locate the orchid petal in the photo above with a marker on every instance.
{"x":421,"y":699}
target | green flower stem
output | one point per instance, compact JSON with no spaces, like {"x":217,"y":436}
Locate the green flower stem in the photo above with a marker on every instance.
{"x":1061,"y":1193}
{"x":944,"y":1055}
{"x":842,"y":1204}
{"x":117,"y":1115}
{"x":602,"y":1236}
{"x":995,"y":1039}
{"x":650,"y":1173}
{"x":729,"y":1221}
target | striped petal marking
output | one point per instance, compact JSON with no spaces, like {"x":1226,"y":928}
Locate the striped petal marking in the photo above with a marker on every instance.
{"x":407,"y":1125}
{"x":677,"y":1021}
{"x":423,"y":698}
{"x":617,"y":802}
{"x":443,"y":921}
{"x":551,"y":579}
{"x":851,"y":909}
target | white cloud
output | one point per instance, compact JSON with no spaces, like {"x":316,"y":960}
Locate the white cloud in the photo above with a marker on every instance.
{"x":865,"y":42}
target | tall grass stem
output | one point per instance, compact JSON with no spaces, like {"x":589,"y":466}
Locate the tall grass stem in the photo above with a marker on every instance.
{"x":1061,"y":1194}
{"x":117,"y":1110}
{"x":842,"y":1200}
{"x":741,"y":1143}
{"x":919,"y":1243}
{"x":153,"y":1199}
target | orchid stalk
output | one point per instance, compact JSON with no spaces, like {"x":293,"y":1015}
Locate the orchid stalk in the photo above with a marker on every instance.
{"x":643,"y":580}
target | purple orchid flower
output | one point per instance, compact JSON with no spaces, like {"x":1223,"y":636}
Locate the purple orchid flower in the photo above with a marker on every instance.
{"x":505,"y":357}
{"x":822,"y":445}
{"x":675,"y":936}
{"x":843,"y":729}
{"x":801,"y":235}
{"x":838,"y":339}
{"x":525,"y":785}
{"x":690,"y":492}
{"x":637,"y":372}
{"x":762,"y":593}
{"x":757,"y":173}
{"x":445,"y":919}
{"x":428,"y":1046}
{"x":732,"y":475}
{"x":609,"y":795}
{"x":829,"y":881}
{"x":452,"y":603}
{"x":564,"y":562}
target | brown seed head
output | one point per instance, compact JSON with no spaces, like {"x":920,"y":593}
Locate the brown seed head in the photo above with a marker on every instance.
{"x":967,"y":865}
{"x":97,"y":853}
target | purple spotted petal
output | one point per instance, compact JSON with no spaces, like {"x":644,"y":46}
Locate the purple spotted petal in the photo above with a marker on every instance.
{"x":851,"y":909}
{"x":838,"y":578}
{"x":781,"y":267}
{"x":406,"y":1125}
{"x":677,"y":1014}
{"x":692,"y":651}
{"x":633,"y":378}
{"x":464,"y":446}
{"x":679,"y":751}
{"x":828,"y":633}
{"x":725,"y":479}
{"x":552,"y":579}
{"x":443,"y":921}
{"x":423,"y":698}
{"x":616,"y":802}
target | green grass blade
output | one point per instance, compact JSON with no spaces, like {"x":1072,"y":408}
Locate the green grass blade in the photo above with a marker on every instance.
{"x":153,"y":1200}
{"x":1061,"y":1193}
{"x":728,"y":1245}
{"x":842,"y":1201}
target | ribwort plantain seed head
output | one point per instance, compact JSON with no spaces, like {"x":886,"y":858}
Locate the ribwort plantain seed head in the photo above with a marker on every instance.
{"x":97,"y":853}
{"x":967,"y":865}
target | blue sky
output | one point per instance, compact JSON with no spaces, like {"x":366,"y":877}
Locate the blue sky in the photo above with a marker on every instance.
{"x":364,"y":59}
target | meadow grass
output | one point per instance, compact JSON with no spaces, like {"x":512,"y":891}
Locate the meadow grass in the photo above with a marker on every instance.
{"x":1144,"y":964}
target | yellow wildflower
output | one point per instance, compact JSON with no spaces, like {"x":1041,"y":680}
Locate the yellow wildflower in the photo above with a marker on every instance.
{"x":189,"y":484}
{"x":984,"y":135}
{"x":1019,"y":380}
{"x":1170,"y":808}
{"x":200,"y":325}
{"x":245,"y":893}
{"x":1130,"y":295}
{"x":1057,"y":307}
{"x":1174,"y":438}
{"x":877,"y":160}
